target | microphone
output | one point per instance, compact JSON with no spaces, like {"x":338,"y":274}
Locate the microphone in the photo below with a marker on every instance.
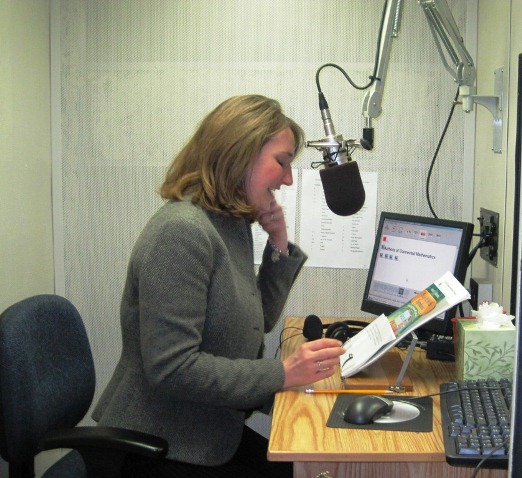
{"x":312,"y":327}
{"x":343,"y":188}
{"x":341,"y":179}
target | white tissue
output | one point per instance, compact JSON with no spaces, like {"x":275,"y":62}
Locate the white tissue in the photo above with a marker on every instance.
{"x":490,"y":315}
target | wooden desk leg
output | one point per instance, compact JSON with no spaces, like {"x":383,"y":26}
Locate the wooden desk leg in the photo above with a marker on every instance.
{"x":390,"y":470}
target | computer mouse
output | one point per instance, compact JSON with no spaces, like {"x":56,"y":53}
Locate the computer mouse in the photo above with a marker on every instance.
{"x":366,"y":409}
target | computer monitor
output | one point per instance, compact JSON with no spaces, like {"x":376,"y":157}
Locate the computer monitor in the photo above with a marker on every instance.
{"x":410,"y":253}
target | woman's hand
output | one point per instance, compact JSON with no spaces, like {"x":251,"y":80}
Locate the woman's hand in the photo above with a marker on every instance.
{"x":273,"y":222}
{"x":312,"y":361}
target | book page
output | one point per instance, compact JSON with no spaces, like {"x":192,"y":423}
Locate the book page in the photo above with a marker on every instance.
{"x":365,"y":348}
{"x":361,"y":347}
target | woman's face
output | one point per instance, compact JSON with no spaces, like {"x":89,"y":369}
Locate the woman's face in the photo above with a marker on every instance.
{"x":270,"y":170}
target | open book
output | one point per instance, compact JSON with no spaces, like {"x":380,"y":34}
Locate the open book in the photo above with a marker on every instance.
{"x":386,"y":331}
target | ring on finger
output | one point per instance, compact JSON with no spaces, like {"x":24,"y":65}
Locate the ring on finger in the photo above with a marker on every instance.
{"x":320,"y":366}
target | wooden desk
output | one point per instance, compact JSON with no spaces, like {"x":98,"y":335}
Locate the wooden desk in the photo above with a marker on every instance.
{"x":299,"y":431}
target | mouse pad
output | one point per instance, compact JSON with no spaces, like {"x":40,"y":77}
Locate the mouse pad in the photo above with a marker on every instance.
{"x":409,"y":414}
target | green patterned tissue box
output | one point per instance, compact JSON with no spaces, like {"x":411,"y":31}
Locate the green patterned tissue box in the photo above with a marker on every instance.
{"x":484,"y":352}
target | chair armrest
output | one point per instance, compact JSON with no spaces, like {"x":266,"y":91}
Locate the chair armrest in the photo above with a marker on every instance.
{"x":126,"y":441}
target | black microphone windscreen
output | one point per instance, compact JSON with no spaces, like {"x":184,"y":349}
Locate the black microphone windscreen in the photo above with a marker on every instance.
{"x":343,"y":188}
{"x":312,"y":327}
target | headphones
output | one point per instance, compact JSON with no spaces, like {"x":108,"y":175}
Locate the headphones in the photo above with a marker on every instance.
{"x":313,"y":328}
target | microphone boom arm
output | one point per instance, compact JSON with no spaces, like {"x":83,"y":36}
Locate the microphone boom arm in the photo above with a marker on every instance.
{"x":445,"y":30}
{"x":445,"y":34}
{"x":372,"y":107}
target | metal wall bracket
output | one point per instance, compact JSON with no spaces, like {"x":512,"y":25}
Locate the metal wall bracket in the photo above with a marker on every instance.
{"x":495,"y":105}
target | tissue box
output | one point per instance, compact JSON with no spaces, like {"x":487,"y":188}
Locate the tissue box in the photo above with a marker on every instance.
{"x":484,"y":352}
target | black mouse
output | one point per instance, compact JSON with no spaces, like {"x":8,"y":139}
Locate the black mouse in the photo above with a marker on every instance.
{"x":366,"y":409}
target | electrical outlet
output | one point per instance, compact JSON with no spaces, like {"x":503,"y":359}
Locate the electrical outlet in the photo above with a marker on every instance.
{"x":489,"y":228}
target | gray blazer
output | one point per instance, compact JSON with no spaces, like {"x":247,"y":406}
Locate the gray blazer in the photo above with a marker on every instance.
{"x":193,"y":317}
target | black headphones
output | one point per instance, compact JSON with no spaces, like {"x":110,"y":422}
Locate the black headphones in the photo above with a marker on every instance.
{"x":313,"y":328}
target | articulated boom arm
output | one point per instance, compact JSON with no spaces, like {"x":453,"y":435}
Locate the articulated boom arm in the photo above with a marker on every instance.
{"x":460,"y":65}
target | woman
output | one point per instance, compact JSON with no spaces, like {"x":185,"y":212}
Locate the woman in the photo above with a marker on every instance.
{"x":194,"y":313}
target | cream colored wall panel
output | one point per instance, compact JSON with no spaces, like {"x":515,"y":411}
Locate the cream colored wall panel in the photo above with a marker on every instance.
{"x":494,"y":173}
{"x":26,"y":254}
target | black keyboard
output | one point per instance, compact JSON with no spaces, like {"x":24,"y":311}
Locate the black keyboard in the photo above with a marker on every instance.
{"x":476,"y":422}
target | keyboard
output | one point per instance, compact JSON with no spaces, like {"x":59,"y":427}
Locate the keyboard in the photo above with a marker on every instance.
{"x":476,"y":422}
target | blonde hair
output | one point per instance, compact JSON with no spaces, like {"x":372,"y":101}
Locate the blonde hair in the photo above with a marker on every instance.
{"x":211,"y":167}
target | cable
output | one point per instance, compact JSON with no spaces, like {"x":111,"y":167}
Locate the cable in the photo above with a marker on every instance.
{"x":483,"y":242}
{"x":446,"y":392}
{"x":375,"y":65}
{"x":480,"y":243}
{"x":281,"y":341}
{"x":489,"y":455}
{"x":346,"y":75}
{"x":437,"y":152}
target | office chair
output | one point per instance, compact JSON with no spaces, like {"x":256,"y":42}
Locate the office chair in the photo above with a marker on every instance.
{"x":47,"y":383}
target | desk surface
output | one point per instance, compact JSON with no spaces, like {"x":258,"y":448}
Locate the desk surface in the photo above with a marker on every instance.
{"x":299,"y":432}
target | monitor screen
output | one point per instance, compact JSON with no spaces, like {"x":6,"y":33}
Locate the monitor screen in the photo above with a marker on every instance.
{"x":410,"y":253}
